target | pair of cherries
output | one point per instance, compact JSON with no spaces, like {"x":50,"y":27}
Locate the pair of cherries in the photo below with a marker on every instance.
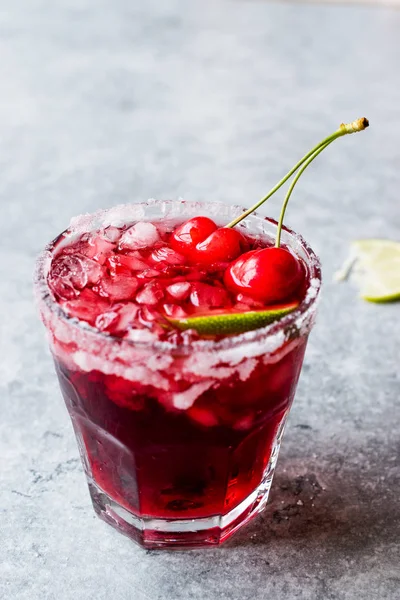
{"x":270,"y":275}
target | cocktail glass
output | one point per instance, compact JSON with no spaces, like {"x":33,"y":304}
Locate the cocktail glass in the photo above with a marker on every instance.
{"x":178,"y":442}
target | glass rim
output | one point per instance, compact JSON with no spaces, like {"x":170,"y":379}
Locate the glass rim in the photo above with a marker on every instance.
{"x":305,"y":309}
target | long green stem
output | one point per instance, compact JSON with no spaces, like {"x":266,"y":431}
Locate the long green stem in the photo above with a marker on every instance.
{"x":291,"y":188}
{"x":344,"y":129}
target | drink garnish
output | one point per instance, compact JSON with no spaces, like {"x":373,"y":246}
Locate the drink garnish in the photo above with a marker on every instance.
{"x":226,"y":323}
{"x":199,"y":276}
{"x":374,"y":264}
{"x":270,"y":275}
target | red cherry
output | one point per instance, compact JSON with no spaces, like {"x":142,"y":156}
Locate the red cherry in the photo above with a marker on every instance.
{"x":222,"y":245}
{"x":186,"y":237}
{"x":270,"y":275}
{"x":200,"y":240}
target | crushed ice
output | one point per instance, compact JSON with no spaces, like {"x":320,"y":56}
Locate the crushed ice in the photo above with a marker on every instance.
{"x":186,"y":399}
{"x":140,"y":235}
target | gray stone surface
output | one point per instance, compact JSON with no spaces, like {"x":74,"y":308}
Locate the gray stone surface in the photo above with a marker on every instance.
{"x":107,"y":101}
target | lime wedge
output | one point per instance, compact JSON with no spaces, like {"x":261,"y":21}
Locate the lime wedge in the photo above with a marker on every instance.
{"x":225,"y":323}
{"x":375,"y":265}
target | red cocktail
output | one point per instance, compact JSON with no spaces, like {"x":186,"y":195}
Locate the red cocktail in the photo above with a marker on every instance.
{"x":178,"y":343}
{"x":178,"y":431}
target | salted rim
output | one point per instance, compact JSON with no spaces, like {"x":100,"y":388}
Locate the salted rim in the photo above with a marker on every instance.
{"x":305,"y":308}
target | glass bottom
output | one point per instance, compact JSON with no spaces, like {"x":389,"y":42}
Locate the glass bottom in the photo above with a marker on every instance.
{"x":180,"y":534}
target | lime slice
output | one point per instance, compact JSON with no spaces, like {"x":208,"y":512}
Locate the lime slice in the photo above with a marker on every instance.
{"x":375,"y":265}
{"x":224,"y":323}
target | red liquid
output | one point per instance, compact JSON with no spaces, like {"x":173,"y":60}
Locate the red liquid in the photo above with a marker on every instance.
{"x":180,"y":464}
{"x":145,"y":451}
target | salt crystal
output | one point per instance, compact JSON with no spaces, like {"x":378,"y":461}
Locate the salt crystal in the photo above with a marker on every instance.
{"x":312,"y":291}
{"x":120,"y":215}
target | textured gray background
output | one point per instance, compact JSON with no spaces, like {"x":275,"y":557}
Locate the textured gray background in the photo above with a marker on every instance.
{"x":114,"y":100}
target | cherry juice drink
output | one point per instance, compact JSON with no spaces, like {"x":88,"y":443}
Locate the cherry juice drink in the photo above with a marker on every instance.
{"x":178,"y":432}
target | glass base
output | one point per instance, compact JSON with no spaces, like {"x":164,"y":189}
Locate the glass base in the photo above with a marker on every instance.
{"x":152,"y":533}
{"x":180,"y":534}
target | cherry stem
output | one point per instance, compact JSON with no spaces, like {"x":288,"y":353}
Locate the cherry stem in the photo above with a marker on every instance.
{"x":344,"y":129}
{"x":291,"y":188}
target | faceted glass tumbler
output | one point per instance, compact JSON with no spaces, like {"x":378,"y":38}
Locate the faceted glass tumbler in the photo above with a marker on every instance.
{"x":178,"y":443}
